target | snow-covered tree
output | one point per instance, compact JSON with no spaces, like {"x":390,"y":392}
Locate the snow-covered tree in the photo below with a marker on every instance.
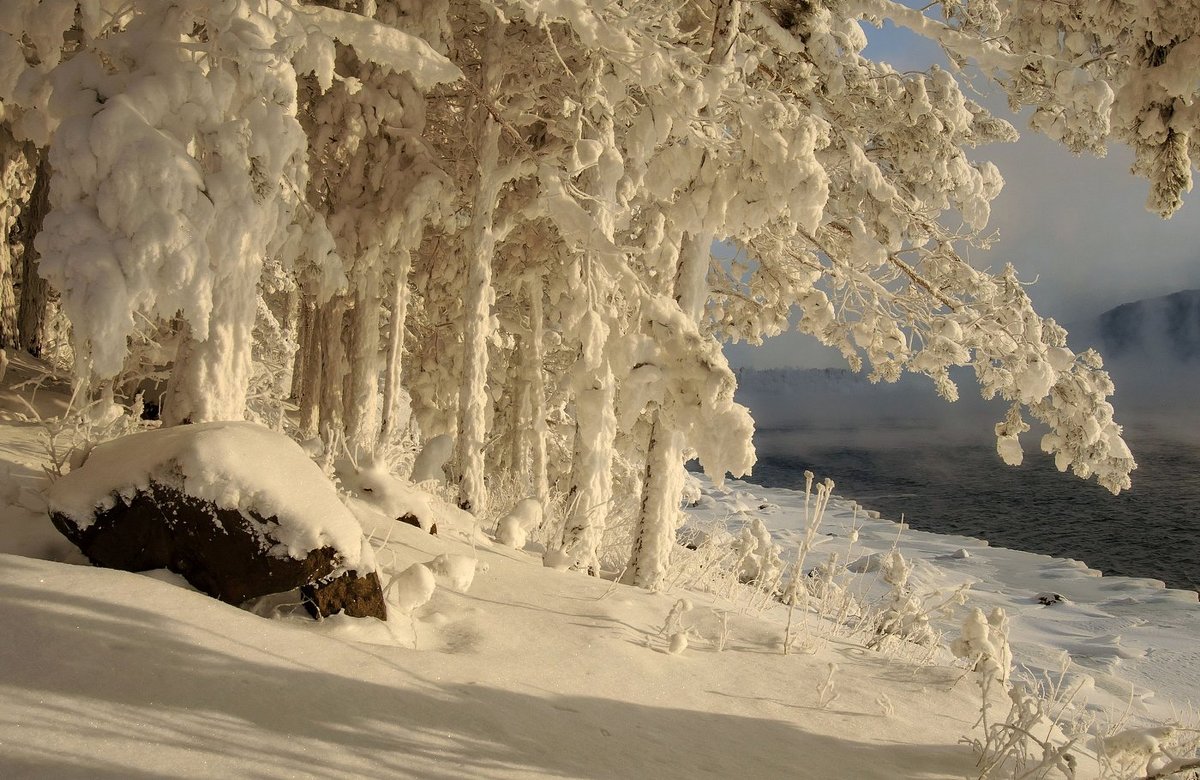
{"x":502,"y":211}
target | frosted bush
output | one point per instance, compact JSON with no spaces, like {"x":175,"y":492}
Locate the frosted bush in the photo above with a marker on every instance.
{"x":984,"y":644}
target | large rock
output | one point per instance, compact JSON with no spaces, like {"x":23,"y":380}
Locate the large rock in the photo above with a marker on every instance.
{"x":219,"y":551}
{"x":237,"y":510}
{"x":356,"y":596}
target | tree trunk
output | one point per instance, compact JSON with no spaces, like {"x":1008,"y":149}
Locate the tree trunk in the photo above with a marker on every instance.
{"x":590,"y":496}
{"x":16,"y":179}
{"x":306,"y":378}
{"x":520,"y":419}
{"x":691,"y":284}
{"x":395,"y":347}
{"x":481,"y":246}
{"x":659,"y":516}
{"x":211,"y":376}
{"x":472,"y":397}
{"x":33,"y":315}
{"x":537,"y":397}
{"x":362,"y":407}
{"x":333,"y":369}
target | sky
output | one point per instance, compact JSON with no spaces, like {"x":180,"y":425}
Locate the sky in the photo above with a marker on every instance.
{"x":1075,"y":226}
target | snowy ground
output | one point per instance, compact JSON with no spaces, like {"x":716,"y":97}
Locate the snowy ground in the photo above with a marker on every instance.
{"x":1132,"y":642}
{"x":532,"y":671}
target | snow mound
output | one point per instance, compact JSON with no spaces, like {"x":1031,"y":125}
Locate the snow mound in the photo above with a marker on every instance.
{"x":515,"y":527}
{"x":237,"y":466}
{"x":457,"y":571}
{"x":411,"y":588}
{"x":392,"y":497}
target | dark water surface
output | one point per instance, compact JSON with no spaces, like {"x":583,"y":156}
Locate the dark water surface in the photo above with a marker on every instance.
{"x":946,"y":485}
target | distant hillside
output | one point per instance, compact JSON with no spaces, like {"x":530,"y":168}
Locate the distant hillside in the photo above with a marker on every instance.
{"x":1151,"y":348}
{"x":1165,"y":328}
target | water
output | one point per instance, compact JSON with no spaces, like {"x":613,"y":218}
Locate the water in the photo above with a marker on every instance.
{"x":962,"y":487}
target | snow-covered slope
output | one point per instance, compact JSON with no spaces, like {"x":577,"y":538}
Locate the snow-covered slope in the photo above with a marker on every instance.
{"x":1131,"y":641}
{"x":512,"y":669}
{"x":533,"y":672}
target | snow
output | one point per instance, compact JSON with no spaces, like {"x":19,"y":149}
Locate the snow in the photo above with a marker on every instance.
{"x":515,"y":527}
{"x":235,"y":465}
{"x":411,"y":588}
{"x":1131,"y":641}
{"x":383,"y":44}
{"x":495,"y":666}
{"x":219,"y":218}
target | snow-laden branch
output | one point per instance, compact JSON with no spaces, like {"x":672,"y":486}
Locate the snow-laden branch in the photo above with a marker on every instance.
{"x":382,"y":44}
{"x":987,"y":54}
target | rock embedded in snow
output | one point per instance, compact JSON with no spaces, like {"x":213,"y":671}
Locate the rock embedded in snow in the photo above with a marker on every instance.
{"x":349,"y":593}
{"x":227,"y":554}
{"x":236,"y":509}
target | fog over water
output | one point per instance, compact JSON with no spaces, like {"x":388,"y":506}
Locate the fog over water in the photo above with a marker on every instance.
{"x":955,"y":486}
{"x":903,"y":451}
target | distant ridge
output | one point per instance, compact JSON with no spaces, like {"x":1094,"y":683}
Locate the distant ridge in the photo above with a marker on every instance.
{"x":1168,"y":326}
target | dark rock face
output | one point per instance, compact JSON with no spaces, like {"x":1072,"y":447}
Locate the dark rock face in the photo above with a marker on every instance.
{"x":356,"y":596}
{"x":219,"y":551}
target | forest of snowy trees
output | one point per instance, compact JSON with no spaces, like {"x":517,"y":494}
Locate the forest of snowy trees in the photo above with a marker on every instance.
{"x":381,"y":223}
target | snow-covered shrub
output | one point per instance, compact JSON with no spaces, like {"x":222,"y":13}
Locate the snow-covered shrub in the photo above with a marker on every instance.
{"x":1165,"y":750}
{"x":514,"y":528}
{"x":1035,"y":737}
{"x":827,"y":689}
{"x":983,"y":643}
{"x":431,"y":460}
{"x":70,"y":436}
{"x":759,"y":560}
{"x":705,"y":560}
{"x":906,"y":614}
{"x":674,"y":629}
